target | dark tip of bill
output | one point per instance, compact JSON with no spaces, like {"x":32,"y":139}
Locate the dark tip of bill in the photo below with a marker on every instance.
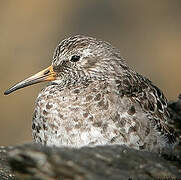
{"x":8,"y":91}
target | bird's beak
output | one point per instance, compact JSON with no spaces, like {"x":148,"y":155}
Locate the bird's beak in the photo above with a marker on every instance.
{"x":47,"y":74}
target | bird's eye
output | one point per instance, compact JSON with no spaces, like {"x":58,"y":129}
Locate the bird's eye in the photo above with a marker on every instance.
{"x":75,"y":58}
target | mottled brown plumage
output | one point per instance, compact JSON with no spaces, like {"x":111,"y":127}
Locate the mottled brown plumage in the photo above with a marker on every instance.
{"x":95,"y":98}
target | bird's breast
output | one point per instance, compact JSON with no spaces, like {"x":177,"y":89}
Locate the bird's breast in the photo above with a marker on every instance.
{"x":75,"y":116}
{"x":94,"y":114}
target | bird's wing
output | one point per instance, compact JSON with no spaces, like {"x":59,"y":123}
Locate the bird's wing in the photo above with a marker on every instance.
{"x":152,"y":101}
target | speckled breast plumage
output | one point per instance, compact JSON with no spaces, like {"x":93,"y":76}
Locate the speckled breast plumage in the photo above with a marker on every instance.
{"x":95,"y":113}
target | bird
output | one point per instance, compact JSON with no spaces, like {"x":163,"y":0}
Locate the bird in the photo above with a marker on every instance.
{"x":95,"y":98}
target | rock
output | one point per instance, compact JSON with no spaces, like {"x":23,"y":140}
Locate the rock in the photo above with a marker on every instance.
{"x":89,"y":163}
{"x":5,"y":170}
{"x":174,"y":108}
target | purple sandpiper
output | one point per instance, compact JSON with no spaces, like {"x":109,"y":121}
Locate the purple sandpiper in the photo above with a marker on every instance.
{"x":95,"y":98}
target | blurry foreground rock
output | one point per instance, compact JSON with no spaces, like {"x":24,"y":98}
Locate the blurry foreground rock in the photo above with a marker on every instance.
{"x":31,"y":161}
{"x":5,"y":170}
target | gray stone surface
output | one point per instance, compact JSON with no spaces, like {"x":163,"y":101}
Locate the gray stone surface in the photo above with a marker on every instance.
{"x":5,"y":170}
{"x":98,"y":163}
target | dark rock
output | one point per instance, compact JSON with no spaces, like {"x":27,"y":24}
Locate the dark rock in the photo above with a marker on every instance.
{"x":5,"y":170}
{"x":174,"y":108}
{"x":96,"y":163}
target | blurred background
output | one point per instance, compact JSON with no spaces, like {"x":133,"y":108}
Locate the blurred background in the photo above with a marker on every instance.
{"x":148,"y":34}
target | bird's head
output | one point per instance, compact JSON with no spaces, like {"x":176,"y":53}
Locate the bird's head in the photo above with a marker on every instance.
{"x":75,"y":60}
